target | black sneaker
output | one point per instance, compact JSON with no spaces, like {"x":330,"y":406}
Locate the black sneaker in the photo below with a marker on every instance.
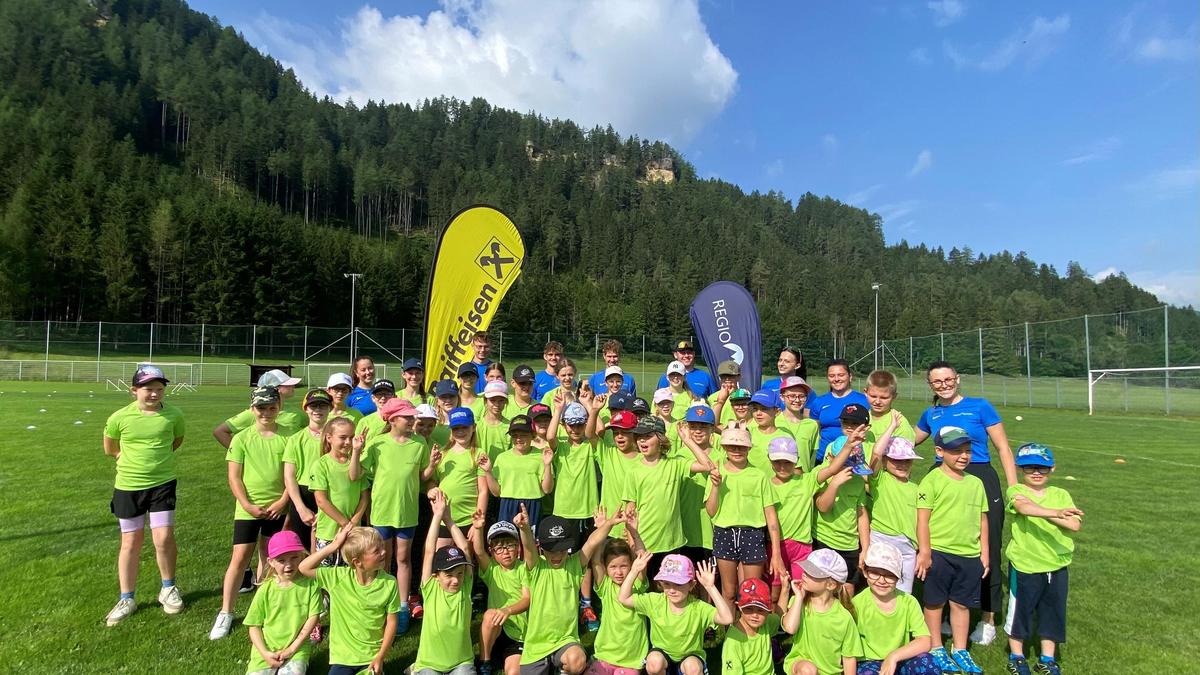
{"x":247,"y":582}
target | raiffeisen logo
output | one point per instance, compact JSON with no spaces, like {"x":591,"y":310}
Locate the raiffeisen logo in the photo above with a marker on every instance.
{"x":724,"y":330}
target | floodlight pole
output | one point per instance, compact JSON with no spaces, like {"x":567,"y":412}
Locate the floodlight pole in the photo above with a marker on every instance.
{"x":353,"y":277}
{"x":875,"y":287}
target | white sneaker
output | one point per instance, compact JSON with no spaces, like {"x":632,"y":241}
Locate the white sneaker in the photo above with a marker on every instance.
{"x":123,"y":608}
{"x":984,"y":634}
{"x":221,"y":626}
{"x":946,"y":630}
{"x":171,"y":601}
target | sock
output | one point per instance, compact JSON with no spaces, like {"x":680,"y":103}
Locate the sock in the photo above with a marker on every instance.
{"x":1046,"y":659}
{"x":1016,"y":657}
{"x":585,"y":602}
{"x":403,"y":605}
{"x":127,"y":596}
{"x":167,"y":583}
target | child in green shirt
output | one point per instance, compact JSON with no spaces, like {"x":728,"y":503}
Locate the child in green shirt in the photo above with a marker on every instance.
{"x":842,"y":521}
{"x":576,"y":494}
{"x":894,"y":636}
{"x":622,"y":642}
{"x":677,"y":620}
{"x":373,"y":424}
{"x":728,"y":374}
{"x":821,"y":619}
{"x":1039,"y":553}
{"x":341,"y":500}
{"x":363,"y":601}
{"x":737,"y":400}
{"x":300,"y":456}
{"x":446,"y":578}
{"x":747,"y":647}
{"x":284,"y":611}
{"x":893,"y":499}
{"x":764,"y":408}
{"x":507,"y":582}
{"x":697,"y":430}
{"x":881,"y":394}
{"x":520,"y":477}
{"x":255,"y":465}
{"x":794,"y":393}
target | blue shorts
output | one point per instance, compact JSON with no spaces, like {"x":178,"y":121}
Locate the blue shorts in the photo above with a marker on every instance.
{"x":388,"y":532}
{"x":955,"y":578}
{"x":510,"y":507}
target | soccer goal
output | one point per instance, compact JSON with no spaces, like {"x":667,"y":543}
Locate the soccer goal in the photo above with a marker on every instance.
{"x":1142,"y":379}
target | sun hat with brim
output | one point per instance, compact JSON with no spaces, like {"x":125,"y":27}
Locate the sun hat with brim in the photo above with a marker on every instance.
{"x":396,"y":407}
{"x":825,"y":564}
{"x":468,"y":368}
{"x":638,"y":406}
{"x":445,"y":388}
{"x":284,"y":542}
{"x":649,"y":424}
{"x":735,"y":437}
{"x":520,"y":423}
{"x":676,"y":368}
{"x":620,"y":401}
{"x":623,"y":420}
{"x":277,"y":378}
{"x":740,"y":394}
{"x":383,"y":385}
{"x":447,"y":558}
{"x":495,"y":389}
{"x":767,"y":398}
{"x":523,"y":374}
{"x":793,"y":381}
{"x":1034,"y":454}
{"x":413,"y":364}
{"x":854,"y":414}
{"x":949,"y":438}
{"x":460,"y":417}
{"x":574,"y":414}
{"x":900,"y":449}
{"x":613,"y":370}
{"x":884,"y":556}
{"x":149,"y":374}
{"x":663,"y":394}
{"x":539,"y":410}
{"x":426,"y":412}
{"x":754,"y":593}
{"x":676,"y":569}
{"x":263,"y":396}
{"x":783,"y":449}
{"x":729,"y":367}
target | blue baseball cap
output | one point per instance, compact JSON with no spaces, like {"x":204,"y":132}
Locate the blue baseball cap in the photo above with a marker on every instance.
{"x":700,"y":413}
{"x":445,"y":388}
{"x":1034,"y":454}
{"x":461,"y":417}
{"x":620,"y":401}
{"x":951,"y":437}
{"x":767,"y":398}
{"x":413,"y":364}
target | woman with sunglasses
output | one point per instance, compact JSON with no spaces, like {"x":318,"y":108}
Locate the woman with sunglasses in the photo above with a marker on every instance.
{"x":982,"y":423}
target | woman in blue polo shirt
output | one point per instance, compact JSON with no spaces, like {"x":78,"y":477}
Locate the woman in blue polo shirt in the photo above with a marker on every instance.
{"x":362,"y":376}
{"x":826,"y":409}
{"x":979,"y":419}
{"x":790,"y":362}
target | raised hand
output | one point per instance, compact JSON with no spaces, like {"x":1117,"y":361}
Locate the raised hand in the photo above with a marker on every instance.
{"x":640,"y":562}
{"x":715,"y":476}
{"x":435,"y":455}
{"x":1070,"y":512}
{"x":521,"y":520}
{"x":547,"y":456}
{"x":485,"y":462}
{"x":439,"y":503}
{"x":630,"y":515}
{"x":478,"y":519}
{"x":706,"y":575}
{"x":599,"y":401}
{"x":600,"y":516}
{"x":357,"y":443}
{"x":842,"y":477}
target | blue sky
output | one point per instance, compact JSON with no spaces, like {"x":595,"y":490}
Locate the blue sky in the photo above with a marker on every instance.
{"x":1068,"y":130}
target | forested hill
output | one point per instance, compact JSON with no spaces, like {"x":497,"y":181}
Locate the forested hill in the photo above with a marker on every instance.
{"x":154,"y":166}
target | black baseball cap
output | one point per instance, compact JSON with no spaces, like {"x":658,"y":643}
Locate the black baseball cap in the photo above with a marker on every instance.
{"x":555,"y":533}
{"x":638,"y":406}
{"x":520,"y":423}
{"x":649,"y":424}
{"x":522,"y":374}
{"x":620,"y":401}
{"x":539,"y":410}
{"x":447,"y":558}
{"x":468,"y":368}
{"x":855,"y":414}
{"x":383,"y":385}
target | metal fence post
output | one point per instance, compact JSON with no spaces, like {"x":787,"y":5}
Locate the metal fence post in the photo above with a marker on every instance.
{"x":200,"y":380}
{"x":643,"y":357}
{"x":1087,"y":346}
{"x":1166,"y":360}
{"x":403,"y":342}
{"x":99,"y":338}
{"x":501,"y":356}
{"x":912,"y":370}
{"x":46,"y":365}
{"x":1028,"y":366}
{"x":595,"y":352}
{"x":943,"y":339}
{"x":151,"y":340}
{"x":1058,"y":392}
{"x":304,"y":349}
{"x":981,"y":360}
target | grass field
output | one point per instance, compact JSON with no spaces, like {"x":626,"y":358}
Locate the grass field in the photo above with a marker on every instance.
{"x":1131,"y":601}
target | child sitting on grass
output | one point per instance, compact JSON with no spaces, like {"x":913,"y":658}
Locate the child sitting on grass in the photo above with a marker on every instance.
{"x":284,"y":611}
{"x":894,"y":636}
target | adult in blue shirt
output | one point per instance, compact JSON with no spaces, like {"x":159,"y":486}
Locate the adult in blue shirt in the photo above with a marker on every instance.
{"x":547,"y":379}
{"x":362,"y":373}
{"x":612,"y":357}
{"x":790,"y":364}
{"x":699,"y":381}
{"x":979,"y":419}
{"x":481,"y":344}
{"x":826,"y":409}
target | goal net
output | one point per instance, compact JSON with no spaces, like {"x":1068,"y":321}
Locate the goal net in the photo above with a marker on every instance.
{"x":1175,"y":388}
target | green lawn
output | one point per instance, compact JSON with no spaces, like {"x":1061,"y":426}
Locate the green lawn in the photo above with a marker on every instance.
{"x":1129,"y":608}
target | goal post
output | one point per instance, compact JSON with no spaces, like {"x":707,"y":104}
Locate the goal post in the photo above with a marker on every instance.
{"x":1096,"y":375}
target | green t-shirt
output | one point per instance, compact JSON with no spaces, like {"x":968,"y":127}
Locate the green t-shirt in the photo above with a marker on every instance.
{"x":513,"y":408}
{"x":440,"y":436}
{"x":954,"y":506}
{"x":261,"y":458}
{"x":883,"y":633}
{"x":893,"y":505}
{"x":492,"y":438}
{"x":357,"y":613}
{"x":288,"y":421}
{"x":693,"y":500}
{"x":807,"y":433}
{"x":477,"y":406}
{"x":839,"y":527}
{"x":416,"y":399}
{"x":795,"y":508}
{"x":333,"y":478}
{"x":727,"y":414}
{"x":654,"y":489}
{"x":623,"y":640}
{"x":458,"y":476}
{"x":880,"y":425}
{"x":742,"y":498}
{"x":615,"y":468}
{"x":1038,"y":545}
{"x":147,"y":459}
{"x":302,"y":450}
{"x":823,"y":639}
{"x":575,"y":492}
{"x":683,"y":400}
{"x":449,"y":646}
{"x":678,"y":634}
{"x":519,"y":476}
{"x":281,"y":611}
{"x":395,"y":470}
{"x":351,"y":414}
{"x":745,"y":655}
{"x":547,"y":398}
{"x":504,"y":588}
{"x":372,"y":425}
{"x":553,"y":608}
{"x":758,"y":448}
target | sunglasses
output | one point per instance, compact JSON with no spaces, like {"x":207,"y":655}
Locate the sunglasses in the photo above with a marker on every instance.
{"x":1036,"y":469}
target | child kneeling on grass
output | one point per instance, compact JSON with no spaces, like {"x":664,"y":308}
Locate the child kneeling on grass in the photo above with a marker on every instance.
{"x":677,"y":620}
{"x":446,"y":577}
{"x":826,"y":640}
{"x":1038,"y":553}
{"x":895,"y":639}
{"x":363,"y":600}
{"x":284,"y":611}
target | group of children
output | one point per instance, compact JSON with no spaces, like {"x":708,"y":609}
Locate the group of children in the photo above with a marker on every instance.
{"x":688,"y":520}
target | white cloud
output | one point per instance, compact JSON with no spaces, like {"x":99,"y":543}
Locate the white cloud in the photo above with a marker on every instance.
{"x":956,"y":57}
{"x":946,"y":12}
{"x":1030,"y":45}
{"x":862,"y":196}
{"x":1170,"y":182}
{"x":923,"y":163}
{"x":1184,"y":48}
{"x":920,"y":56}
{"x":1176,"y":287}
{"x":897,"y":210}
{"x":1155,"y":39}
{"x":1101,"y":149}
{"x":1105,"y":273}
{"x":774,"y":169}
{"x":645,"y":66}
{"x":830,"y":143}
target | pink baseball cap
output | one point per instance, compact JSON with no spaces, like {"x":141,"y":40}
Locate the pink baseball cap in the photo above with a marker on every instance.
{"x":901,"y":448}
{"x":283,"y":542}
{"x":495,"y":389}
{"x":397,"y":407}
{"x":663,"y":394}
{"x":675,"y":569}
{"x":794,"y":381}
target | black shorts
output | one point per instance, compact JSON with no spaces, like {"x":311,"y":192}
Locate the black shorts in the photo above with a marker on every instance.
{"x":505,"y":647}
{"x":248,"y":531}
{"x":745,"y":545}
{"x":697,"y":554}
{"x":673,"y":665}
{"x":1043,"y":595}
{"x":293,"y":520}
{"x":954,"y":578}
{"x":853,"y":575}
{"x":134,"y":503}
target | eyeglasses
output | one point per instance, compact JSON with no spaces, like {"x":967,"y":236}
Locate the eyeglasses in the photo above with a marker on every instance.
{"x":792,"y":395}
{"x":943,"y":384}
{"x":876,"y":575}
{"x":1036,"y":469}
{"x":504,"y":547}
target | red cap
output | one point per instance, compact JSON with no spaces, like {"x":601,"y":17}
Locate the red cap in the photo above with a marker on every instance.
{"x":395,"y":407}
{"x":754,"y":593}
{"x":623,"y":419}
